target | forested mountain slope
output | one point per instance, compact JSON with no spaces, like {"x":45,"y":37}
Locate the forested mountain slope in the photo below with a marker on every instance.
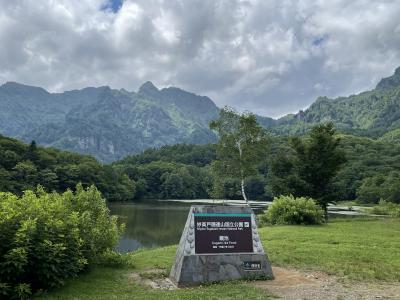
{"x":371,"y":113}
{"x":103,"y":122}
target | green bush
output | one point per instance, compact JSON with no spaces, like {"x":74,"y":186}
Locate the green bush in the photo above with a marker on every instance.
{"x":386,"y":208}
{"x":291,"y":211}
{"x":46,"y":238}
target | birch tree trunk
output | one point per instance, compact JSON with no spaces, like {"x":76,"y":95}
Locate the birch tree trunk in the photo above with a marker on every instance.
{"x":241,"y":172}
{"x":243,"y":192}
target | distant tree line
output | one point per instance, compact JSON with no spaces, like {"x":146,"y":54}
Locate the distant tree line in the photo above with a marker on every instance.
{"x":171,"y":172}
{"x":370,"y":172}
{"x":23,"y":167}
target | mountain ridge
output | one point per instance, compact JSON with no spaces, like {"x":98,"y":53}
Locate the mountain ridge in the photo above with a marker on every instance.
{"x":371,"y":113}
{"x":389,"y":82}
{"x":105,"y":122}
{"x":110,"y":123}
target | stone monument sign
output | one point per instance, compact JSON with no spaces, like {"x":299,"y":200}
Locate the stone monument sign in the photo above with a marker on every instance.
{"x":219,"y":243}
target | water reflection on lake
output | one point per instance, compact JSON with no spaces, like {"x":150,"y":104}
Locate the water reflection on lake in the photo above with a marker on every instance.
{"x":150,"y":225}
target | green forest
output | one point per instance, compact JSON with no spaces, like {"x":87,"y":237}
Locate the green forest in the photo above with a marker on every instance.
{"x":23,"y":167}
{"x":371,"y":171}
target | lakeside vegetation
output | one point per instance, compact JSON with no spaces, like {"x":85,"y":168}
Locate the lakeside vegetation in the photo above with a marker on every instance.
{"x":358,"y":249}
{"x":23,"y":167}
{"x":366,"y":159}
{"x":288,"y":210}
{"x":48,"y":238}
{"x":371,"y":172}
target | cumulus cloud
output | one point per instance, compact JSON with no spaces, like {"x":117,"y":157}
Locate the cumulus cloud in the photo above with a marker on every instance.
{"x":268,"y":56}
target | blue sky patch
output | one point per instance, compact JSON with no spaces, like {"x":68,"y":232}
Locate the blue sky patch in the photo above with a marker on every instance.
{"x":113,"y":5}
{"x":319,"y":40}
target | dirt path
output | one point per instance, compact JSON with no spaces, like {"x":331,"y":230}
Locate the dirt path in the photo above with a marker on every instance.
{"x":291,"y":284}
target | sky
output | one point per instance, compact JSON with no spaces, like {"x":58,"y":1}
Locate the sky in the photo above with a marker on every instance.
{"x":265,"y":56}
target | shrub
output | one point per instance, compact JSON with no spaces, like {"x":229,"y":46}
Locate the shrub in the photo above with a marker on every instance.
{"x":386,"y":208}
{"x":46,"y":238}
{"x":290,"y":210}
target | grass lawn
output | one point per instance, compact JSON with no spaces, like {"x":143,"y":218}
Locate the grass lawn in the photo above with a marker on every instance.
{"x":112,"y":283}
{"x":358,"y":249}
{"x":355,"y":248}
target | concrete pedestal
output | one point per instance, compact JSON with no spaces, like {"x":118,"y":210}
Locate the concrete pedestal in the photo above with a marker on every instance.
{"x":191,"y":268}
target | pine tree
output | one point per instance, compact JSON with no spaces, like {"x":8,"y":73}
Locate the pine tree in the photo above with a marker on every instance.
{"x":318,"y":160}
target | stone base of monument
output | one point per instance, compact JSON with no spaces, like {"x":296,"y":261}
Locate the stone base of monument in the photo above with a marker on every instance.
{"x":219,"y":243}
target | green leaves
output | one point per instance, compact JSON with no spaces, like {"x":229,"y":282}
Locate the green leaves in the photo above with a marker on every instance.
{"x":46,"y":238}
{"x":291,"y":211}
{"x":23,"y":167}
{"x":380,"y":186}
{"x":242,"y":145}
{"x":318,"y":160}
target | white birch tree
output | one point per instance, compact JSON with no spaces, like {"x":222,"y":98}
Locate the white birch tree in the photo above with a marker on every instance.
{"x":241,"y":148}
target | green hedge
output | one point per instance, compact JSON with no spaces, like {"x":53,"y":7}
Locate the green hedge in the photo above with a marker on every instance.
{"x":291,"y":211}
{"x":46,"y":238}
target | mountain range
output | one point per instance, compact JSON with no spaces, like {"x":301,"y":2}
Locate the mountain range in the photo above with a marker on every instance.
{"x":105,"y":122}
{"x":372,"y":113}
{"x":110,"y":124}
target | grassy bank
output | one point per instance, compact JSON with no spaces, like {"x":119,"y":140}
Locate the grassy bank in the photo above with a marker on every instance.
{"x":357,"y":249}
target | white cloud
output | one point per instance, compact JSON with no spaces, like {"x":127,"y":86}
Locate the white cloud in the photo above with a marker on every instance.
{"x":271,"y":57}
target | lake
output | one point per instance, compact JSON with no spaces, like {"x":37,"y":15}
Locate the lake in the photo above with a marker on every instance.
{"x":150,"y":225}
{"x":160,"y":223}
{"x":155,"y":223}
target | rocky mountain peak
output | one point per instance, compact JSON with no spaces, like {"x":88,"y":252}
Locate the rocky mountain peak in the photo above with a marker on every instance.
{"x":390,"y":82}
{"x":23,"y":90}
{"x":148,"y":89}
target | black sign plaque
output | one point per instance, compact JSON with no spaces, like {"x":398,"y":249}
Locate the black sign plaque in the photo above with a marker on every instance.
{"x":252,"y":265}
{"x":223,"y":233}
